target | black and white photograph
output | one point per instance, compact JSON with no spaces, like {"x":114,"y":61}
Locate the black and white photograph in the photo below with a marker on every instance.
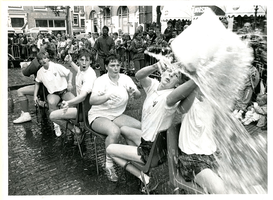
{"x":134,"y":98}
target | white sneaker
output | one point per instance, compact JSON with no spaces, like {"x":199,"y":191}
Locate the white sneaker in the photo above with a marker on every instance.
{"x":24,"y":117}
{"x":57,"y":130}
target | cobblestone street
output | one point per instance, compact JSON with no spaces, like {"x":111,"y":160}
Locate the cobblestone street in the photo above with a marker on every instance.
{"x":39,"y":163}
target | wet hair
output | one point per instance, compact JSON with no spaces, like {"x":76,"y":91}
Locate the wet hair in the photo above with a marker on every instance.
{"x":110,"y":57}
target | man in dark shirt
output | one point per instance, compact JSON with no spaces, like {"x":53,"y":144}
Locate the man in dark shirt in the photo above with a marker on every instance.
{"x":168,"y":31}
{"x":104,"y":46}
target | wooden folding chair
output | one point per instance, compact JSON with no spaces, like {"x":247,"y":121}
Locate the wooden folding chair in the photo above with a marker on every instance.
{"x":157,"y":156}
{"x":176,"y":180}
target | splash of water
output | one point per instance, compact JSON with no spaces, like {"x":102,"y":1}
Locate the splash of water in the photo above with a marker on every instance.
{"x":243,"y":165}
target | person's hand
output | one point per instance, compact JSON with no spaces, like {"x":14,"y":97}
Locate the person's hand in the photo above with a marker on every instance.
{"x":111,"y":51}
{"x":255,"y":105}
{"x":113,"y":97}
{"x":131,"y":92}
{"x":161,"y":66}
{"x":64,"y":105}
{"x":68,"y":58}
{"x":36,"y":100}
{"x":69,"y":86}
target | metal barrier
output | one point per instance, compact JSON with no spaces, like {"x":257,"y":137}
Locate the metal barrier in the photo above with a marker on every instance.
{"x":15,"y":51}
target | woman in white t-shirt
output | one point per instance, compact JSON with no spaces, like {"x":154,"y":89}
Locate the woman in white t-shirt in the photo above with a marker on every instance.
{"x":109,"y":99}
{"x":157,"y":114}
{"x":197,"y":148}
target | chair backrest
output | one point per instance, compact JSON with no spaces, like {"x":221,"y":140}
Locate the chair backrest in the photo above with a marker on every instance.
{"x":158,"y":153}
{"x":83,"y":109}
{"x":175,"y":177}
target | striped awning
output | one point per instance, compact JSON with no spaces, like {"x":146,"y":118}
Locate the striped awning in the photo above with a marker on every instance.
{"x":245,"y":10}
{"x":176,"y":12}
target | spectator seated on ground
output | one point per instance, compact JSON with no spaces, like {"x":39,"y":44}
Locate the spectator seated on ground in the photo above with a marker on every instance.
{"x":53,"y":76}
{"x":109,"y":98}
{"x":246,"y":93}
{"x":257,"y":112}
{"x":84,"y":83}
{"x":157,"y":114}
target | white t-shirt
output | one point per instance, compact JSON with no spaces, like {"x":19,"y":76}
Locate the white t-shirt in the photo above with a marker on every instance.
{"x":111,"y":109}
{"x":156,"y":115}
{"x":196,"y":130}
{"x":85,"y":80}
{"x":53,"y":78}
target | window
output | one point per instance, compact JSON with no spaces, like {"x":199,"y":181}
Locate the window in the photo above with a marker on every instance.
{"x":59,"y":23}
{"x":106,"y":17}
{"x":15,"y":7}
{"x":39,"y":7}
{"x":82,"y":22}
{"x":145,"y":14}
{"x":123,"y":15}
{"x":76,"y":20}
{"x":17,"y":22}
{"x":50,"y":23}
{"x":76,"y":9}
{"x":41,"y":23}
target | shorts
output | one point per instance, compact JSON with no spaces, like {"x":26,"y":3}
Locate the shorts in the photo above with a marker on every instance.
{"x":144,"y":149}
{"x":192,"y":164}
{"x":60,"y":93}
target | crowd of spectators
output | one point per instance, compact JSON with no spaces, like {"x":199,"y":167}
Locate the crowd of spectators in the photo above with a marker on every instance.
{"x":129,"y":48}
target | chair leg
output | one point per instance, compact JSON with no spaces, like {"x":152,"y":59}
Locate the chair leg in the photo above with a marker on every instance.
{"x":79,"y":140}
{"x":96,"y":154}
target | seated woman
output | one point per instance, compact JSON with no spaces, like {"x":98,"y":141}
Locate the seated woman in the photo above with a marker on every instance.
{"x":85,"y":79}
{"x":109,"y":99}
{"x":28,"y":69}
{"x":53,"y":76}
{"x":157,"y":115}
{"x":197,"y":147}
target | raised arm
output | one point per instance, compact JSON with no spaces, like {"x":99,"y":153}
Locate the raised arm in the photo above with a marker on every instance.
{"x":69,"y":61}
{"x":181,"y":92}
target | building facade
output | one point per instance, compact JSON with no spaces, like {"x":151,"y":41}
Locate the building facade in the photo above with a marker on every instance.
{"x":84,"y":19}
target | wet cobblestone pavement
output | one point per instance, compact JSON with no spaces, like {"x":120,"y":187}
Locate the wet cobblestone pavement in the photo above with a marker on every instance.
{"x":39,"y":163}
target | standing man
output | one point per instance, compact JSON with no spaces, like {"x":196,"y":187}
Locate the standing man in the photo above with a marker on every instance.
{"x":104,"y":46}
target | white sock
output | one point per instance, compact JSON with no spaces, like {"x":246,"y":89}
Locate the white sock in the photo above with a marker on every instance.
{"x":109,"y":162}
{"x":55,"y":124}
{"x":147,"y":178}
